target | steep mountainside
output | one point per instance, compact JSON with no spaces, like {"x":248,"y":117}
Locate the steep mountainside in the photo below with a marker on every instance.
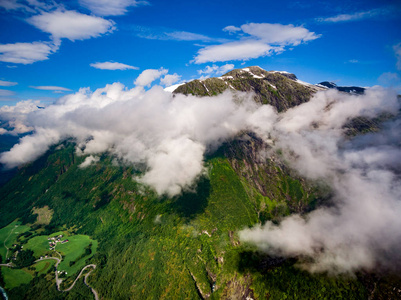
{"x":153,"y":248}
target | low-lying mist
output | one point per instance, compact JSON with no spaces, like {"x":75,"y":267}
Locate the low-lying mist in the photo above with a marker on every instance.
{"x":362,"y":229}
{"x":170,"y":134}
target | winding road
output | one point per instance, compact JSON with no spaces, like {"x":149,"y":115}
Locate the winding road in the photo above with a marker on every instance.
{"x":59,"y":281}
{"x":58,"y":261}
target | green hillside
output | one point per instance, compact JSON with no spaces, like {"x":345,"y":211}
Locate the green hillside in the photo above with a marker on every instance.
{"x":181,"y":248}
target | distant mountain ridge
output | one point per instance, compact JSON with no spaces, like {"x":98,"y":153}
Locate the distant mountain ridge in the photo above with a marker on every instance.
{"x":348,"y":89}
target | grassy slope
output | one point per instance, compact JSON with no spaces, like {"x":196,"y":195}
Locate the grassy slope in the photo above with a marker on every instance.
{"x":73,"y":250}
{"x":8,"y":236}
{"x":15,"y":277}
{"x":43,"y":267}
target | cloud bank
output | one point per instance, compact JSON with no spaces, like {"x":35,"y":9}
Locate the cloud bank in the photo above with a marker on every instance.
{"x":361,"y":229}
{"x":167,"y":135}
{"x":16,"y":116}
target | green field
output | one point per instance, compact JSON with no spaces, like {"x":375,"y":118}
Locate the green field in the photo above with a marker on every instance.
{"x":73,"y":250}
{"x":43,"y":267}
{"x":39,"y":245}
{"x":15,"y":277}
{"x":9,"y":234}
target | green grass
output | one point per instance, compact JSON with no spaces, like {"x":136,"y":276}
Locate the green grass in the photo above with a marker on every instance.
{"x":9,"y":234}
{"x":73,"y":250}
{"x":39,"y":245}
{"x":70,"y":251}
{"x":15,"y":277}
{"x":43,"y":267}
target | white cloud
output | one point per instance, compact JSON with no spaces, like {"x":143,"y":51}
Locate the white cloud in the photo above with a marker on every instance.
{"x":7,"y":83}
{"x":112,"y":66}
{"x":177,"y":163}
{"x":397,"y":51}
{"x":22,"y":107}
{"x":110,"y":8}
{"x":71,"y":25}
{"x":241,"y":50}
{"x":257,"y":40}
{"x":210,"y":70}
{"x":168,"y":133}
{"x":278,"y":34}
{"x":231,"y":29}
{"x":148,"y":76}
{"x":390,"y":79}
{"x":11,"y":5}
{"x":89,"y":161}
{"x":169,"y":79}
{"x":50,"y":88}
{"x":165,"y":34}
{"x":356,"y":16}
{"x":4,"y":93}
{"x":188,"y":36}
{"x":26,"y":53}
{"x":361,"y":228}
{"x":16,"y":116}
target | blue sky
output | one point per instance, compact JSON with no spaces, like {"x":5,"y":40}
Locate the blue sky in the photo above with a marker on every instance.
{"x":51,"y":48}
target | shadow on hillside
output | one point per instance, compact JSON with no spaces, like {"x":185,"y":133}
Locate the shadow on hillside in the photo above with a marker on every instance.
{"x":191,"y":203}
{"x":255,"y":261}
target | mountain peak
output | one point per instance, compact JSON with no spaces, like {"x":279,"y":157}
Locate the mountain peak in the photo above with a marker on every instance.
{"x":278,"y":88}
{"x":327,"y":84}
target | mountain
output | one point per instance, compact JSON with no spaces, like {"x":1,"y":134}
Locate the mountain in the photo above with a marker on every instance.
{"x":148,"y":246}
{"x":348,"y":89}
{"x":279,"y":89}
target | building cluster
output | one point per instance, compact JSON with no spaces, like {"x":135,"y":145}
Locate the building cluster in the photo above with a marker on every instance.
{"x":56,"y":239}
